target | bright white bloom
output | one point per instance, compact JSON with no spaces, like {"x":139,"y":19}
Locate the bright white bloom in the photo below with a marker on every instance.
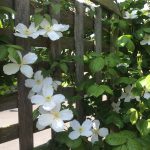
{"x":97,"y":131}
{"x":131,"y":15}
{"x":54,"y":30}
{"x":146,"y":7}
{"x":120,"y":1}
{"x":127,"y":94}
{"x":38,"y":82}
{"x":47,"y":99}
{"x":23,"y":66}
{"x":89,"y":3}
{"x":31,"y":93}
{"x":146,"y":40}
{"x":54,"y":118}
{"x":80,"y":130}
{"x":146,"y":95}
{"x":24,"y":32}
{"x":116,"y":106}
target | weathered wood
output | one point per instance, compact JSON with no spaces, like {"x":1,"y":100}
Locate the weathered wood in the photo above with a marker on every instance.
{"x":98,"y":35}
{"x":109,"y":4}
{"x":79,"y":48}
{"x":8,"y":102}
{"x":22,"y":8}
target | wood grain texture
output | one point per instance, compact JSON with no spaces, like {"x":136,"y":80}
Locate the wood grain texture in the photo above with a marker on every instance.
{"x":109,"y":4}
{"x":22,"y":8}
{"x":79,"y":49}
{"x":8,"y":102}
{"x":98,"y":36}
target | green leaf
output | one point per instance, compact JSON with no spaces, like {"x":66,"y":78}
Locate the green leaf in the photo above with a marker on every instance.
{"x":126,"y":80}
{"x":115,"y":139}
{"x":3,"y":52}
{"x":97,"y":64}
{"x":147,"y":30}
{"x":56,"y":8}
{"x":122,"y":147}
{"x":133,"y":144}
{"x":107,"y":89}
{"x":13,"y":53}
{"x":95,"y":90}
{"x":7,"y":9}
{"x":133,"y":115}
{"x":143,"y":127}
{"x":64,"y":67}
{"x":38,"y":19}
{"x":17,"y":47}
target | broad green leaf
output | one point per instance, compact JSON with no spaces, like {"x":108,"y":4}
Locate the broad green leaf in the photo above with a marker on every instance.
{"x":133,"y":144}
{"x":3,"y":52}
{"x":106,"y":88}
{"x":143,"y":127}
{"x":7,"y":9}
{"x":63,"y":67}
{"x":133,"y":115}
{"x":38,"y":19}
{"x":122,"y":147}
{"x":97,"y":64}
{"x":147,"y":30}
{"x":95,"y":90}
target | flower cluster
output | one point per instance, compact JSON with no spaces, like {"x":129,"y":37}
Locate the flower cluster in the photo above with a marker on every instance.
{"x":52,"y":30}
{"x":88,"y":129}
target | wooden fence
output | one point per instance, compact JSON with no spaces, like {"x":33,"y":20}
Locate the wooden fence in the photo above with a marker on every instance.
{"x":81,"y":23}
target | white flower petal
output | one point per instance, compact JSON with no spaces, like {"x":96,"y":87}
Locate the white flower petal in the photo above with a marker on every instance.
{"x":49,"y":105}
{"x":29,"y":83}
{"x":96,"y":124}
{"x":39,"y":127}
{"x":103,"y":132}
{"x":60,"y":27}
{"x":34,"y":35}
{"x":21,"y":28}
{"x":75,"y":124}
{"x":57,"y":125}
{"x":47,"y":81}
{"x":11,"y":68}
{"x":86,"y":133}
{"x":66,"y":114}
{"x":41,"y":32}
{"x":58,"y":98}
{"x":27,"y":70}
{"x":87,"y":124}
{"x":31,"y":93}
{"x":29,"y":58}
{"x":44,"y":23}
{"x":47,"y":91}
{"x":37,"y":88}
{"x":45,"y":120}
{"x":54,"y":35}
{"x":94,"y":138}
{"x":37,"y":99}
{"x":20,"y":35}
{"x":74,"y":135}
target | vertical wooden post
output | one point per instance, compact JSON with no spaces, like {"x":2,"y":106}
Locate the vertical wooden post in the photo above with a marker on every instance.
{"x":22,"y":8}
{"x":79,"y":48}
{"x":98,"y":35}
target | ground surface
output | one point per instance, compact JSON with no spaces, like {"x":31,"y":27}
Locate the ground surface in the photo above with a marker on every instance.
{"x":11,"y":117}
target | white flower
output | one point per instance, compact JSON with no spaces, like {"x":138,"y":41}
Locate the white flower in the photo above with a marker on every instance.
{"x":54,"y":30}
{"x":23,"y":66}
{"x":146,"y":7}
{"x":47,"y":99}
{"x":24,"y":32}
{"x":127,"y":94}
{"x":116,"y":106}
{"x":89,"y":3}
{"x":120,"y":1}
{"x":38,"y":82}
{"x":131,"y":15}
{"x":80,"y":130}
{"x":97,"y":131}
{"x":54,"y":118}
{"x":146,"y":40}
{"x":146,"y":95}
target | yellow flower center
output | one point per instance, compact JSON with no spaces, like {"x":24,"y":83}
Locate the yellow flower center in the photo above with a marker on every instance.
{"x":81,"y":129}
{"x":27,"y":32}
{"x":95,"y":131}
{"x":48,"y":28}
{"x":48,"y":98}
{"x":38,"y":82}
{"x":56,"y":114}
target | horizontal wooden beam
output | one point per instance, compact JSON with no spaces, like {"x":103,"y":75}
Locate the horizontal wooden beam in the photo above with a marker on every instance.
{"x":109,"y":4}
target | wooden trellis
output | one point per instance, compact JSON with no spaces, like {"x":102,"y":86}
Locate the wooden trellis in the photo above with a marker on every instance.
{"x":81,"y":23}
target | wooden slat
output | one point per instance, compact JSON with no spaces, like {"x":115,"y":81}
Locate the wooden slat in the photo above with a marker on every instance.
{"x":98,"y":35}
{"x":109,"y":4}
{"x":8,"y":102}
{"x":22,"y":8}
{"x":79,"y":48}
